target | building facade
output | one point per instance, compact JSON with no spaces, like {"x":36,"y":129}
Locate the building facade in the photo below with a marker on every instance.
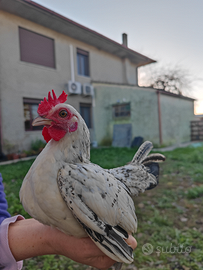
{"x":41,"y":50}
{"x":158,"y":116}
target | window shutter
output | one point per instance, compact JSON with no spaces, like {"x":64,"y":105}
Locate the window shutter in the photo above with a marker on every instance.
{"x":36,"y":48}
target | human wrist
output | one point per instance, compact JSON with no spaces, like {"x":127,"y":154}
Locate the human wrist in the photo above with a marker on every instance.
{"x":33,"y":238}
{"x":54,"y":240}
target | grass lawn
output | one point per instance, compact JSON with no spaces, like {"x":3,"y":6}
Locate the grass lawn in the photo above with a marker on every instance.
{"x":170,"y":216}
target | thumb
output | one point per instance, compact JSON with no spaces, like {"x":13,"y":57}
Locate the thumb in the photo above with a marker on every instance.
{"x":131,"y":242}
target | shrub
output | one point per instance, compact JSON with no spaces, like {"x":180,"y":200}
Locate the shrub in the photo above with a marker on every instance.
{"x":37,"y":145}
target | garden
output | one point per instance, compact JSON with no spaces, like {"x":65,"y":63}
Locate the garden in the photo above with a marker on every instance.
{"x":170,"y":217}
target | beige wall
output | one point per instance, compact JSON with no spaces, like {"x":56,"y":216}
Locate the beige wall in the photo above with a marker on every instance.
{"x":20,"y":79}
{"x":176,"y":113}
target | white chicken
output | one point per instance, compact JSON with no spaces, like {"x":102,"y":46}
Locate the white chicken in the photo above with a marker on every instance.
{"x":65,"y":190}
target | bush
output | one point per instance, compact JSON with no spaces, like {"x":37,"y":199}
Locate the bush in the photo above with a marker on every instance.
{"x":37,"y":145}
{"x":106,"y":141}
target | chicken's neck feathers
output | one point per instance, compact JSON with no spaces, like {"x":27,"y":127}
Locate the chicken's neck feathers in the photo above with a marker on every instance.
{"x":72,"y":148}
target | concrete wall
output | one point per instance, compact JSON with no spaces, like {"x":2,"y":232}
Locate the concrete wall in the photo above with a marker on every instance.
{"x":176,"y":113}
{"x":20,"y":79}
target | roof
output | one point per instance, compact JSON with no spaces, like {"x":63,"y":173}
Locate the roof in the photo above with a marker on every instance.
{"x":146,"y":88}
{"x":41,"y":15}
{"x":173,"y":94}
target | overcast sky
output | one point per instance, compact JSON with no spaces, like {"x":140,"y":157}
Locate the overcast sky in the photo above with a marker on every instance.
{"x":168,"y":31}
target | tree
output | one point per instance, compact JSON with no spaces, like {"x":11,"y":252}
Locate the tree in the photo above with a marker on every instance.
{"x":175,"y":80}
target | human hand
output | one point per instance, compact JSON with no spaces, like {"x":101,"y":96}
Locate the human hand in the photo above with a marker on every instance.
{"x":29,"y":238}
{"x":83,"y":250}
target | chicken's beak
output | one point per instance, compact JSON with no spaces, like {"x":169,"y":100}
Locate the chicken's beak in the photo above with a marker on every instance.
{"x":40,"y":121}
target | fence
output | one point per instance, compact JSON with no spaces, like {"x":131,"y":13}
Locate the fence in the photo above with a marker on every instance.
{"x":196,"y":130}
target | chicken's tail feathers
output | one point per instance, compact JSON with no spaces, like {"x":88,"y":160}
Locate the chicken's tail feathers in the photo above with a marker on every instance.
{"x":149,"y":161}
{"x":153,"y":158}
{"x":152,"y":164}
{"x":153,"y":168}
{"x":142,"y":152}
{"x":142,"y":155}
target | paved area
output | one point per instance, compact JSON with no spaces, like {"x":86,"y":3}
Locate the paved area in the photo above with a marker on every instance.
{"x":16,"y":160}
{"x":180,"y":145}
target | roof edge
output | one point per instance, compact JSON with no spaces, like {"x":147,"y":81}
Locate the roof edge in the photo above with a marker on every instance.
{"x":173,"y":94}
{"x":121,"y":46}
{"x":144,"y":88}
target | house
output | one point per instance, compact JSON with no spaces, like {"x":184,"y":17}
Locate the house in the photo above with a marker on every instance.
{"x":41,"y":50}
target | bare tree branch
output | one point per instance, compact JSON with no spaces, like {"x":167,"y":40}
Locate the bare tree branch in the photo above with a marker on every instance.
{"x":172,"y":79}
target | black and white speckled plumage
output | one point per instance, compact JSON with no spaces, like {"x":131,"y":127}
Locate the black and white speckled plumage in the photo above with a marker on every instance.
{"x":101,"y":199}
{"x":100,"y":203}
{"x":142,"y":172}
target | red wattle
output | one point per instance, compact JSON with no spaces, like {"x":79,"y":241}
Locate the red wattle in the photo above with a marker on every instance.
{"x":46,"y":135}
{"x":56,"y":133}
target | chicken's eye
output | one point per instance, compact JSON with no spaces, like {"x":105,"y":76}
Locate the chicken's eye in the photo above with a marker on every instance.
{"x":63,"y":113}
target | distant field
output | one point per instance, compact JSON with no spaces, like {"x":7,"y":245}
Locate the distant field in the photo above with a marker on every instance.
{"x":170,"y":216}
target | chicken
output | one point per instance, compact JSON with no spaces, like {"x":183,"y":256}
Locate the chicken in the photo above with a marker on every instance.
{"x":65,"y":190}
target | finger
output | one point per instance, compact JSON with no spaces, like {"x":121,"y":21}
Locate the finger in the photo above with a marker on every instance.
{"x":131,"y":242}
{"x":104,"y":262}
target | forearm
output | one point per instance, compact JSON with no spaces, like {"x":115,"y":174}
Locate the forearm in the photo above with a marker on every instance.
{"x":28,"y":238}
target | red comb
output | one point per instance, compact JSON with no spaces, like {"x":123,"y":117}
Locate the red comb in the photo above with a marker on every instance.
{"x":46,"y":105}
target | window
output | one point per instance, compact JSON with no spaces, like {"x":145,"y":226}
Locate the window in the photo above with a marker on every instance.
{"x":121,"y":110}
{"x":30,"y":113}
{"x":86,"y":113}
{"x":36,"y":49}
{"x":83,"y":62}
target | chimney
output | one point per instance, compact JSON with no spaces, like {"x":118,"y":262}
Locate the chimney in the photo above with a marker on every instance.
{"x":125,"y":39}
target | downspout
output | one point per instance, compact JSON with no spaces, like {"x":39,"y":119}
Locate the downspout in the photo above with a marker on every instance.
{"x":72,"y":64}
{"x":94,"y":142}
{"x":159,"y":117}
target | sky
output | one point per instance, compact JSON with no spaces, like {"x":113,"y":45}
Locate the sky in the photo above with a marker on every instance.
{"x":168,"y":31}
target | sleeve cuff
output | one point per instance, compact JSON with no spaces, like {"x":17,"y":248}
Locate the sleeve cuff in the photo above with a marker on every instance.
{"x":7,"y":261}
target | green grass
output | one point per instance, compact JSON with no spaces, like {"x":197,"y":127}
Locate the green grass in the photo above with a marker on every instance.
{"x":13,"y":175}
{"x":195,"y":192}
{"x":112,"y":157}
{"x":170,"y":217}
